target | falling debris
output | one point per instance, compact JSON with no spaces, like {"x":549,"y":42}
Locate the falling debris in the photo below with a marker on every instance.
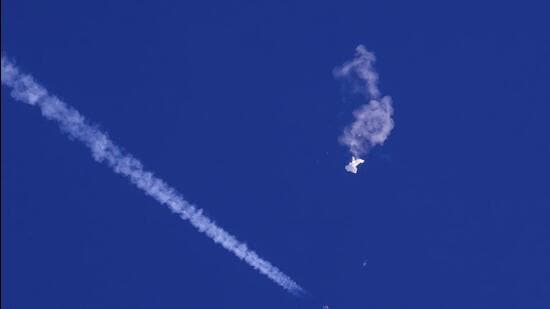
{"x":352,"y":165}
{"x":373,"y":120}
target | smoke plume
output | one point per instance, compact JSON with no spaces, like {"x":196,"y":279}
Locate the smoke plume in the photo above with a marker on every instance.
{"x":373,"y":121}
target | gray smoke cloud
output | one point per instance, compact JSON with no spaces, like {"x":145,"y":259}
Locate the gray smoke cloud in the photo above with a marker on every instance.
{"x":373,"y":121}
{"x":104,"y":150}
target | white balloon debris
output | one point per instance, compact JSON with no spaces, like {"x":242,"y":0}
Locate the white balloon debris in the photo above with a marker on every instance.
{"x":352,"y":166}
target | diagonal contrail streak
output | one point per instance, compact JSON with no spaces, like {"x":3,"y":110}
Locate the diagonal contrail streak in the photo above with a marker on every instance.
{"x":103,"y":149}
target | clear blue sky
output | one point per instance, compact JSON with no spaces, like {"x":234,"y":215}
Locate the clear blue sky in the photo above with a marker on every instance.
{"x":234,"y":104}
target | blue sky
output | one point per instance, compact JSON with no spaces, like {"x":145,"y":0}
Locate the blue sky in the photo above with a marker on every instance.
{"x":234,"y":104}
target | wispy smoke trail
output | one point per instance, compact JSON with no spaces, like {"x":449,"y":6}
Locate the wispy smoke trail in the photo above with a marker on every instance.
{"x":373,"y":121}
{"x":26,"y":90}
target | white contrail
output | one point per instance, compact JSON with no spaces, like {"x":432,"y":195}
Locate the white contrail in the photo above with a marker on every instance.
{"x":373,"y":121}
{"x":26,"y":90}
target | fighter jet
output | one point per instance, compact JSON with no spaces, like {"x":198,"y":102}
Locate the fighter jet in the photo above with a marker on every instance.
{"x":352,"y":166}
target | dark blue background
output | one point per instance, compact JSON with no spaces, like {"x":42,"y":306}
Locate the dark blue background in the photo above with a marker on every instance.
{"x":234,"y":104}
